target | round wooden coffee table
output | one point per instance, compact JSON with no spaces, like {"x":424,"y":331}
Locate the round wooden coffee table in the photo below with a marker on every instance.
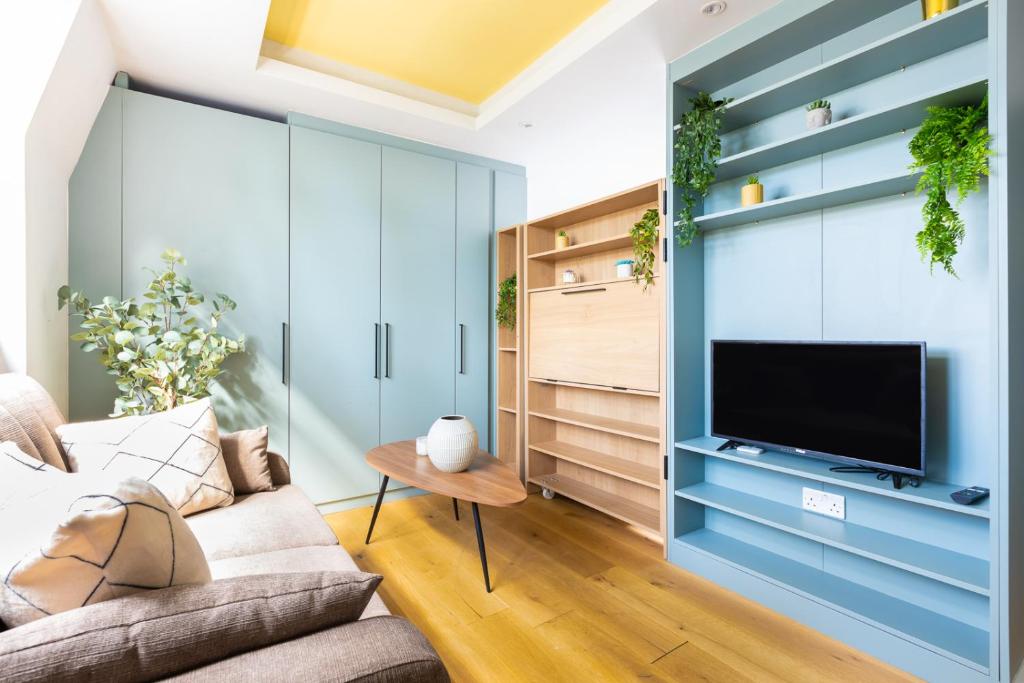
{"x":488,"y":481}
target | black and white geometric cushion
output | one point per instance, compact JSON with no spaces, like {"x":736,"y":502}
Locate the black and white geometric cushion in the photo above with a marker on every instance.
{"x":178,"y":451}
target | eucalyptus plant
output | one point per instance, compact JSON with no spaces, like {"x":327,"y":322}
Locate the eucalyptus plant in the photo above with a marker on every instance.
{"x":645,"y":241}
{"x":505,"y":311}
{"x":697,"y":150}
{"x":158,"y":352}
{"x":952,"y":150}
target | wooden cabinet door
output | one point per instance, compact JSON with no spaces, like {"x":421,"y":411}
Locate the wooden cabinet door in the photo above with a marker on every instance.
{"x":417,"y":292}
{"x":214,"y":185}
{"x":606,"y":335}
{"x":335,"y":312}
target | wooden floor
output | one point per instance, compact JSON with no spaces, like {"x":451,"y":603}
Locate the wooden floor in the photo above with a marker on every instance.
{"x":578,"y":596}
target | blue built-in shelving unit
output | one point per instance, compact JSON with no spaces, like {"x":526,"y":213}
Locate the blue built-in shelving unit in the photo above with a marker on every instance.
{"x":909,"y":576}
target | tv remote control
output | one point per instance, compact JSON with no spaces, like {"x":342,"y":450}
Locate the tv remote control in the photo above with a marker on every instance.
{"x":970,"y":495}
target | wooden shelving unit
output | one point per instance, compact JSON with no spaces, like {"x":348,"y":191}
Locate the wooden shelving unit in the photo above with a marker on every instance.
{"x":508,"y":416}
{"x":595,"y":410}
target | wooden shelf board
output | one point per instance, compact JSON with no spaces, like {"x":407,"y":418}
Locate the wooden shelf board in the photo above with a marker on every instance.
{"x":584,"y":248}
{"x":929,"y":493}
{"x":633,"y":430}
{"x":509,"y":230}
{"x":608,"y":503}
{"x":948,"y":637}
{"x":574,"y":285}
{"x":508,"y":349}
{"x":635,"y":472}
{"x":596,"y":387}
{"x":637,"y":196}
{"x":923,"y":40}
{"x":856,"y":129}
{"x":507,"y":410}
{"x":812,"y":201}
{"x":955,"y":569}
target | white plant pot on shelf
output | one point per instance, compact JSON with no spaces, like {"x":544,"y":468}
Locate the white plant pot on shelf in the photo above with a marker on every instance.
{"x":452,"y":443}
{"x":818,"y":118}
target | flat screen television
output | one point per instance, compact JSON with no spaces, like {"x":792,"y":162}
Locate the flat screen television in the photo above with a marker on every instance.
{"x":854,"y":403}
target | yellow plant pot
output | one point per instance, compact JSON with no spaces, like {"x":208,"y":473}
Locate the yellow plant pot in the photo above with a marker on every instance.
{"x":751,"y":194}
{"x":561,"y":241}
{"x":929,"y":8}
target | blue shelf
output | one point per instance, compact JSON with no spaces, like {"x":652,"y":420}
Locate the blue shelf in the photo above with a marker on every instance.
{"x":811,"y":201}
{"x":954,"y":639}
{"x":851,"y":131}
{"x":955,"y":569}
{"x":924,"y":40}
{"x":929,"y":493}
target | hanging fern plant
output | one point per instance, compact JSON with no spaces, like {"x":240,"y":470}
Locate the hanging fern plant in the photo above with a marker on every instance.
{"x":952,"y":148}
{"x":697,"y":150}
{"x":505,"y":312}
{"x":645,"y":240}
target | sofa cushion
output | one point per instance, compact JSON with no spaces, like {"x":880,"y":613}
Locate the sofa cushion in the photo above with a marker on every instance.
{"x":245,"y":454}
{"x":379,"y":650}
{"x":29,"y":418}
{"x":91,"y":539}
{"x":23,"y":478}
{"x":271,"y":520}
{"x":165,"y":632}
{"x":178,"y":451}
{"x":308,"y":559}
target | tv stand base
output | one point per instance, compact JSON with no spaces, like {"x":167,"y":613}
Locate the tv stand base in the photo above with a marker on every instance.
{"x":728,"y":445}
{"x":899,"y":480}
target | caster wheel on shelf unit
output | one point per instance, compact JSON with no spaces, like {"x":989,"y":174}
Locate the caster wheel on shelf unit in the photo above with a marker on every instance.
{"x":547,"y":493}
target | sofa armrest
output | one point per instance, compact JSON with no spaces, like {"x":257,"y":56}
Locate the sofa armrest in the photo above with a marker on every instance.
{"x":378,"y":650}
{"x":280,"y":473}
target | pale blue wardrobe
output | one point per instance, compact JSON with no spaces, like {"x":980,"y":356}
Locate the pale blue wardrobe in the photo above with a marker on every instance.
{"x":361,"y":264}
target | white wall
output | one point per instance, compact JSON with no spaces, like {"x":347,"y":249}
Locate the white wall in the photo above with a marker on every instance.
{"x":64,"y":62}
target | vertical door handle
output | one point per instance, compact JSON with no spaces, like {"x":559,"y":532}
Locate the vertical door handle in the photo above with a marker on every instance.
{"x":462,"y":349}
{"x":387,"y":350}
{"x":284,"y":353}
{"x":376,"y":350}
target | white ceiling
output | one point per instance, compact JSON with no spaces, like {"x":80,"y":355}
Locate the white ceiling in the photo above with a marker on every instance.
{"x":605,"y":109}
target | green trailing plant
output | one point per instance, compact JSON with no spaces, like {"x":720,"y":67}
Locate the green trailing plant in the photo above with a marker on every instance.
{"x":697,"y":150}
{"x":819,"y":104}
{"x":753,"y":180}
{"x":157,"y":351}
{"x":645,"y":241}
{"x":505,"y":311}
{"x":951,"y":149}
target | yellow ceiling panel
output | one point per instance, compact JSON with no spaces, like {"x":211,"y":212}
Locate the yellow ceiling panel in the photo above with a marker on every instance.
{"x":466,"y":49}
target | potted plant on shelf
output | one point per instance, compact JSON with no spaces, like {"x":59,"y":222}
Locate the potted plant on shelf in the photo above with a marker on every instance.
{"x":753,"y":192}
{"x":561,"y":240}
{"x":697,"y":150}
{"x":505,"y":311}
{"x":624,"y":268}
{"x":930,"y":8}
{"x":645,"y":239}
{"x":819,"y":114}
{"x":952,"y":149}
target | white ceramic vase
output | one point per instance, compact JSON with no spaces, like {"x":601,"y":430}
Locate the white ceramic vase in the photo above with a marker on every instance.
{"x":451,"y":443}
{"x":817,"y":118}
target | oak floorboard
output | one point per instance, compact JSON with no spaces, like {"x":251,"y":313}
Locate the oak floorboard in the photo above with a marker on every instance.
{"x":577,"y":596}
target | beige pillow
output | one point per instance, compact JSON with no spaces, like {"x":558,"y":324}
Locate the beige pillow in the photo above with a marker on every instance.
{"x":178,"y":451}
{"x":90,"y":539}
{"x":22,"y":477}
{"x":158,"y":634}
{"x":245,"y":454}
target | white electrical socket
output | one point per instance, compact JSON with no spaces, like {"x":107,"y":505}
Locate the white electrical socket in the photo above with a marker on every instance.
{"x":830,"y":504}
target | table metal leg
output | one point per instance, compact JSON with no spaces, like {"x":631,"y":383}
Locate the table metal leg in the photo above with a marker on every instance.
{"x":455,"y":504}
{"x":376,"y":506}
{"x":480,"y":544}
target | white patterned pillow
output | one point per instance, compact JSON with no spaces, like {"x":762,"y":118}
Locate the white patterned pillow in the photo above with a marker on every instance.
{"x":22,"y":477}
{"x":178,"y":451}
{"x":92,"y":538}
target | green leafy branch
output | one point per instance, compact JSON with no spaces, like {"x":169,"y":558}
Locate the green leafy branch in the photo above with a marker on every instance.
{"x":505,"y":311}
{"x":645,"y":241}
{"x":697,"y":150}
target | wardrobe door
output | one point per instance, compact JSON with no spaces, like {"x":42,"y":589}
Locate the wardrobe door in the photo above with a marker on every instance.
{"x":335,"y":309}
{"x":417,"y":292}
{"x":472,"y":296}
{"x":214,"y":185}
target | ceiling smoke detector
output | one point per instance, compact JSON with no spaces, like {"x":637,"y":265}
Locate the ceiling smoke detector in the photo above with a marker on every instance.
{"x":712,"y":9}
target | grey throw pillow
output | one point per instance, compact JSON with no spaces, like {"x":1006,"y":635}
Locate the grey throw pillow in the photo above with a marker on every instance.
{"x":161,"y":633}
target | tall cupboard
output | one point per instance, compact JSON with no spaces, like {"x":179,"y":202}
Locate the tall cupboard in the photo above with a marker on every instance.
{"x":360,"y":263}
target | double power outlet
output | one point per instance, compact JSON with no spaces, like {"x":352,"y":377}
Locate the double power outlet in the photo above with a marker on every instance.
{"x":830,"y":504}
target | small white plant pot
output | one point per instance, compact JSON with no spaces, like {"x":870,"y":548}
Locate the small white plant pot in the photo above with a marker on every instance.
{"x":817,"y":118}
{"x":624,"y":270}
{"x":452,"y":443}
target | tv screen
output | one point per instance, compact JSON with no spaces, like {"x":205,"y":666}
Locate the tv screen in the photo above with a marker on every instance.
{"x":855,"y":403}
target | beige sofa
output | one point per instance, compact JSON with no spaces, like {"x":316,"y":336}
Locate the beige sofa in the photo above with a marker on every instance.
{"x":272,"y":532}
